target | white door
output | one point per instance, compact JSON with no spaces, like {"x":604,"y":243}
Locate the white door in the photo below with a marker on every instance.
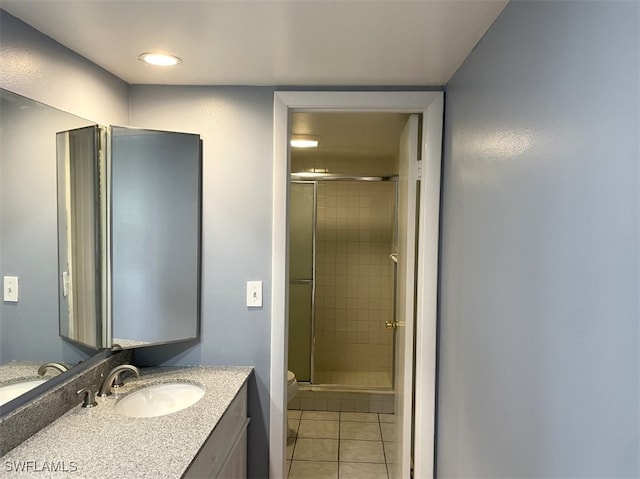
{"x":405,"y":299}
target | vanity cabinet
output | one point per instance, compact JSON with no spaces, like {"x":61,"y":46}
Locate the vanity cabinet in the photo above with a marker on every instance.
{"x":224,"y":454}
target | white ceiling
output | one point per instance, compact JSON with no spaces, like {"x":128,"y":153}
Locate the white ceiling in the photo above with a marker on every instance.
{"x":268,"y":42}
{"x":348,"y":134}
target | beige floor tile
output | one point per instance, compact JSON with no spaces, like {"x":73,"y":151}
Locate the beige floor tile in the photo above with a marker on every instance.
{"x":365,"y":431}
{"x":359,"y":416}
{"x":294,"y":413}
{"x":388,"y":431}
{"x":313,"y":470}
{"x":319,"y":429}
{"x":291,"y":441}
{"x":311,"y":449}
{"x":320,"y":415}
{"x":287,"y":467}
{"x":353,"y":470}
{"x":390,"y":452}
{"x":293,"y":427}
{"x":361,"y":451}
{"x":387,"y":417}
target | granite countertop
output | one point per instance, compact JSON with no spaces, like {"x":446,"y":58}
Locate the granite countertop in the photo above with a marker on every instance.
{"x":99,"y":442}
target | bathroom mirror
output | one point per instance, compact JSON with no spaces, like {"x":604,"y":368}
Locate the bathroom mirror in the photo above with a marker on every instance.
{"x":28,"y":237}
{"x":129,"y":236}
{"x":156,"y":179}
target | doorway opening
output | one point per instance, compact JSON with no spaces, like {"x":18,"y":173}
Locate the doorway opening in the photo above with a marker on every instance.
{"x":342,"y":244}
{"x":410,"y":421}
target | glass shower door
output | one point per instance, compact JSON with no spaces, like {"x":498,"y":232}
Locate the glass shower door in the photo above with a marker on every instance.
{"x":301,"y":278}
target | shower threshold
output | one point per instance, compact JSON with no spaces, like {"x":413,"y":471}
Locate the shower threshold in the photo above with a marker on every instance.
{"x":345,"y":387}
{"x":346,"y":398}
{"x":354,"y":379}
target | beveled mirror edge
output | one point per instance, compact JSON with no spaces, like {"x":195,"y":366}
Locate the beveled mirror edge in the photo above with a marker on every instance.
{"x":124,"y":130}
{"x":74,"y":279}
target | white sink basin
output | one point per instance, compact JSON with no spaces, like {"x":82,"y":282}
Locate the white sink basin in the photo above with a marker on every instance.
{"x":12,"y":391}
{"x":159,"y":399}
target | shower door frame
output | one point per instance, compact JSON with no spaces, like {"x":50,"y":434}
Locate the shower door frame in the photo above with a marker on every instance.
{"x":313,"y":277}
{"x":430,"y":104}
{"x":337,"y":177}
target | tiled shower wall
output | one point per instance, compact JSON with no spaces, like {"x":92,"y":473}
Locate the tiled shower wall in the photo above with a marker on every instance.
{"x":354,"y":278}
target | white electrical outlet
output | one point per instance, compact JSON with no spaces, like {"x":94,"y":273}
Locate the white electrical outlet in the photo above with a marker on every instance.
{"x":11,"y":289}
{"x":254,"y":294}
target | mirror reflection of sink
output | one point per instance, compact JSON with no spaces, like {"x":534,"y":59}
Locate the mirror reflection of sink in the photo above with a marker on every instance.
{"x":12,"y":391}
{"x":159,"y":399}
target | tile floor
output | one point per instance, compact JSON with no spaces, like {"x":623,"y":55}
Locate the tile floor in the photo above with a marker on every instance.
{"x":340,"y":445}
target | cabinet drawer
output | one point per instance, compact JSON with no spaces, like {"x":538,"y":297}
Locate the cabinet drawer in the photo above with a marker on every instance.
{"x":214,"y":452}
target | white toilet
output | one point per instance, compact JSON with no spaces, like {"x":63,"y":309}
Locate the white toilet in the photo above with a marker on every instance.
{"x":292,"y":385}
{"x":292,"y":390}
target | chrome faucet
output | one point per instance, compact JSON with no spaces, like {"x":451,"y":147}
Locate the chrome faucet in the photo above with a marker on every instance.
{"x":58,"y":366}
{"x":105,"y":388}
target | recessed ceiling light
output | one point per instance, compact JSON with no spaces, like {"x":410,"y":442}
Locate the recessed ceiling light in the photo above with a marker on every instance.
{"x":304,"y":141}
{"x":159,"y":59}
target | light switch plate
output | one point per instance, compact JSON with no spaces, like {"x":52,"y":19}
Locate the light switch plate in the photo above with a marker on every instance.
{"x":11,"y":289}
{"x":254,"y":294}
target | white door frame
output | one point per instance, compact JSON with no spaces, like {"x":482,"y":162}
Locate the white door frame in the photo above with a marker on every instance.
{"x":430,"y":105}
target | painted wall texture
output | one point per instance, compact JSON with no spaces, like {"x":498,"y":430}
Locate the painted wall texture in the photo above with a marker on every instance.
{"x":539,"y":325}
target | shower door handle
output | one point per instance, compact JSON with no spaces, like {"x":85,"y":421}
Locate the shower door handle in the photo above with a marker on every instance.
{"x":391,"y":324}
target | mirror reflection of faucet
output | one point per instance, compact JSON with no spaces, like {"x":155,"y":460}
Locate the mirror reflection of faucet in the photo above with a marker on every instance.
{"x":57,"y":366}
{"x":116,"y":376}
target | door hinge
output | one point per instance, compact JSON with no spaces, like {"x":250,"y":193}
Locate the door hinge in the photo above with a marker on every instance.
{"x":419,"y":170}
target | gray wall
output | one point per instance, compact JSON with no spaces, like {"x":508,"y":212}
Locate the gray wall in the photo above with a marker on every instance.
{"x":28,"y":223}
{"x":236,"y":126}
{"x":539,"y":325}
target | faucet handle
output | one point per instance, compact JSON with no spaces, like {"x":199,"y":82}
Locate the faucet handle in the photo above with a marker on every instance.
{"x":89,"y":397}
